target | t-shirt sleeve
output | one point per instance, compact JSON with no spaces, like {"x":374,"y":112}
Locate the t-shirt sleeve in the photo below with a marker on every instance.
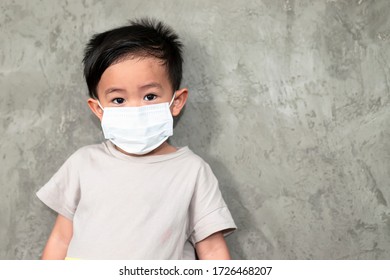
{"x":208,"y":211}
{"x":62,"y":192}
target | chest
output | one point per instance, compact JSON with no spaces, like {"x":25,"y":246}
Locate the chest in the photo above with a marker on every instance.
{"x":147,"y":189}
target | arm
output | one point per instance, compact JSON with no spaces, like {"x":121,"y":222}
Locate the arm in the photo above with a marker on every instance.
{"x":58,"y":242}
{"x":213,"y":247}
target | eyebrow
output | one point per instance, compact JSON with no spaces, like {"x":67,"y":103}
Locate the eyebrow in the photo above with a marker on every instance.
{"x":151,"y":85}
{"x":113,"y":89}
{"x":143,"y":87}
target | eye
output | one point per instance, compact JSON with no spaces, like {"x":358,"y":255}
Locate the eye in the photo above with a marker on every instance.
{"x":118,"y":100}
{"x":150,"y":97}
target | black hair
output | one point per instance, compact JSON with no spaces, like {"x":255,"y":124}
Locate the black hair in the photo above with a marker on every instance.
{"x":141,"y":38}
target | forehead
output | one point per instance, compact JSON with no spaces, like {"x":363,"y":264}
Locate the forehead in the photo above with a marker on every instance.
{"x":132,"y":73}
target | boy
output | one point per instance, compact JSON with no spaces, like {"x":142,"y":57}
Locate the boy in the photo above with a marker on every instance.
{"x":136,"y":196}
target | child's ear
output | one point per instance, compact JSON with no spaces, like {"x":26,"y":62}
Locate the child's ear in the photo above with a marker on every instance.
{"x":95,"y":108}
{"x":180,"y":101}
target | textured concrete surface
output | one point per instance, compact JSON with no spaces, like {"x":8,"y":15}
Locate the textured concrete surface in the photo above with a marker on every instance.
{"x":289,"y":104}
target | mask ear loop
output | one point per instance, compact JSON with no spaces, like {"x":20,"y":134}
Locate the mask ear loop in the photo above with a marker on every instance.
{"x":100,"y":105}
{"x":173,"y":99}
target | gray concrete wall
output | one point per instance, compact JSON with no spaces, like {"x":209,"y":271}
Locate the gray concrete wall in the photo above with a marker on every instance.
{"x":289,"y":104}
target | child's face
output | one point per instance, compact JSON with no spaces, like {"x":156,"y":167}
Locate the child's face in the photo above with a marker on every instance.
{"x":136,"y":82}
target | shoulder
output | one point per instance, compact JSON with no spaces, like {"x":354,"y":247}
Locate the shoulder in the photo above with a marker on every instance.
{"x":90,"y":149}
{"x":196,"y":162}
{"x":85,"y":153}
{"x":188,"y":156}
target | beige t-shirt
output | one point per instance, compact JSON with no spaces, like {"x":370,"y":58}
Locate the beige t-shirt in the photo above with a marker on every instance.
{"x":124,"y":207}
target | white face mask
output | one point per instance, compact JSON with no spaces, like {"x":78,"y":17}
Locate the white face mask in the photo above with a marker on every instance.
{"x":138,"y":130}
